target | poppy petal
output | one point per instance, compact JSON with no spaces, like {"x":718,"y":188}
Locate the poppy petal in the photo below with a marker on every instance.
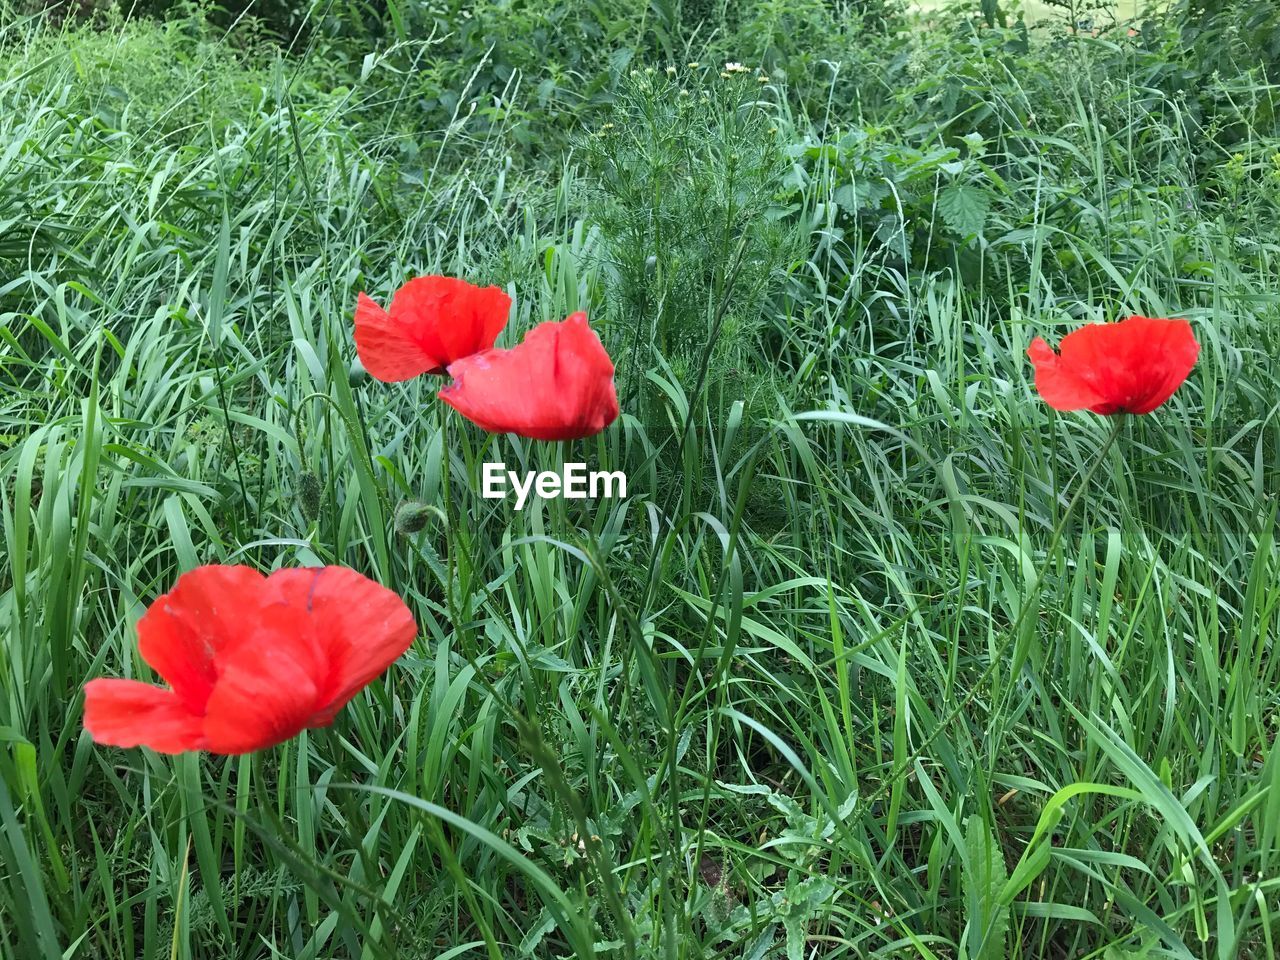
{"x":252,"y":660}
{"x":208,"y":611}
{"x":1170,"y":350}
{"x":451,"y":318}
{"x":1092,"y":355}
{"x":268,"y":688}
{"x":127,"y":713}
{"x":360,"y":625}
{"x":1132,"y":366}
{"x":386,"y":346}
{"x":1058,"y":386}
{"x":556,"y":385}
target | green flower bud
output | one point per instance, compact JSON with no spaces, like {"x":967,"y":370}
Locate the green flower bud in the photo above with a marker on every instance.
{"x":411,"y":517}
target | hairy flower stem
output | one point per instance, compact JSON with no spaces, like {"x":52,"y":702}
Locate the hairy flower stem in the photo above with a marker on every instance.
{"x":446,"y":468}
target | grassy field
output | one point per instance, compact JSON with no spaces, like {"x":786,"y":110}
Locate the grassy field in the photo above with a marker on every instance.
{"x":880,"y":657}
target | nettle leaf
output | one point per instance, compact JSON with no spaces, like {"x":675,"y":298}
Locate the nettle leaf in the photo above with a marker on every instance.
{"x":964,"y":207}
{"x":853,"y":139}
{"x":866,"y":194}
{"x":873,"y":193}
{"x":889,"y":229}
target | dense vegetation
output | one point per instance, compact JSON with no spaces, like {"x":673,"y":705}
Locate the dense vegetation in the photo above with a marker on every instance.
{"x":880,"y":657}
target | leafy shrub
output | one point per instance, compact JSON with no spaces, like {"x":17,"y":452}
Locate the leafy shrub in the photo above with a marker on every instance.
{"x":184,"y":76}
{"x":992,"y":154}
{"x":1224,"y":57}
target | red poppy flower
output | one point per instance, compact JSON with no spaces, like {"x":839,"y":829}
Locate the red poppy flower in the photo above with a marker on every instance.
{"x":433,"y":321}
{"x":1128,"y":367}
{"x":556,"y":385}
{"x":250,"y":660}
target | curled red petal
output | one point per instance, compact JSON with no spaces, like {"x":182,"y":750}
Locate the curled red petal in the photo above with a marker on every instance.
{"x":183,"y":632}
{"x":556,"y":385}
{"x":252,"y":660}
{"x":1132,"y":366}
{"x":387,"y":346}
{"x":450,"y":318}
{"x":268,"y":689}
{"x":361,"y":627}
{"x":1059,"y":387}
{"x":127,"y":713}
{"x":1164,"y":353}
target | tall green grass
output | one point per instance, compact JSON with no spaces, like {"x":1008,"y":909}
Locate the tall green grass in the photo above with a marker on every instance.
{"x":881,"y":658}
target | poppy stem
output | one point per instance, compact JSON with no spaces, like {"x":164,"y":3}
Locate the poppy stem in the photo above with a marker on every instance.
{"x":446,"y":468}
{"x":1011,"y":636}
{"x":563,"y":450}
